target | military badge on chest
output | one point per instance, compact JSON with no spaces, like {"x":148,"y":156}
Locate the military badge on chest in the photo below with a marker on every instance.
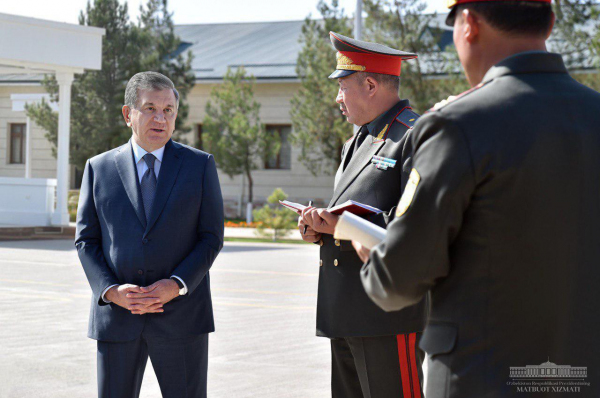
{"x":383,"y":163}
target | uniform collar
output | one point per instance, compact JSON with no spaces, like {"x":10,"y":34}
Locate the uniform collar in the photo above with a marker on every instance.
{"x":139,"y":152}
{"x":527,"y":62}
{"x":386,"y":117}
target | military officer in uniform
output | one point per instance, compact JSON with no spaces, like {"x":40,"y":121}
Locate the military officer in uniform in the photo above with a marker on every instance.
{"x":374,"y":353}
{"x":500,"y":218}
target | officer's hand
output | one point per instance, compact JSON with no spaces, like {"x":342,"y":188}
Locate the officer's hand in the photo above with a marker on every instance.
{"x":164,"y":290}
{"x":324,"y":221}
{"x":306,"y":216}
{"x":128,"y":297}
{"x":362,"y":251}
{"x":311,"y":235}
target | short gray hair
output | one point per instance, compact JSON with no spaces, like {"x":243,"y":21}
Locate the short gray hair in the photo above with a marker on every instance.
{"x":147,"y":81}
{"x":390,"y":81}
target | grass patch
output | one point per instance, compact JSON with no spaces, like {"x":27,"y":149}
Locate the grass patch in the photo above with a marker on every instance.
{"x":266,"y":240}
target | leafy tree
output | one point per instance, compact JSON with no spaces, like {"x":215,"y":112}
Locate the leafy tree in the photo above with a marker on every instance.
{"x":232,"y":127}
{"x":165,"y":55}
{"x":274,"y":216}
{"x":97,"y":96}
{"x":576,"y":36}
{"x":320,"y":129}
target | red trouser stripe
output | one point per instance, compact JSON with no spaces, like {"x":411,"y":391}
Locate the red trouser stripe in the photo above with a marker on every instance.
{"x":404,"y":371}
{"x":412,"y":341}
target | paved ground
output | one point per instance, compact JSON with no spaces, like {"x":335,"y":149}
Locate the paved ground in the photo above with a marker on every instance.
{"x":264,"y":346}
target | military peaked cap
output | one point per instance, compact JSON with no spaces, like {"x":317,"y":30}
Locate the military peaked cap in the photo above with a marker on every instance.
{"x":362,"y":56}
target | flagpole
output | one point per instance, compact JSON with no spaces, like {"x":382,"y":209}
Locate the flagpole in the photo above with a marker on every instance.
{"x":358,"y":32}
{"x":358,"y":20}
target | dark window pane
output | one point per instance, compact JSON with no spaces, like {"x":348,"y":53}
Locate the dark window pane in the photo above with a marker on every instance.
{"x":17,"y":143}
{"x":283,"y":159}
{"x":285,"y":152}
{"x":199,"y":143}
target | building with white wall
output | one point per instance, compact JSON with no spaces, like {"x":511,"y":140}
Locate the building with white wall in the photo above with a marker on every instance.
{"x":267,"y":50}
{"x":32,"y":192}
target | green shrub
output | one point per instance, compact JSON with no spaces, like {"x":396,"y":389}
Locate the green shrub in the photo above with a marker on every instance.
{"x":274,"y":216}
{"x":72,"y":204}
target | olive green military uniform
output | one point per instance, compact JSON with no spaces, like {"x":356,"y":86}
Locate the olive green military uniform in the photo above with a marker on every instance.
{"x":369,"y":345}
{"x":500,"y":221}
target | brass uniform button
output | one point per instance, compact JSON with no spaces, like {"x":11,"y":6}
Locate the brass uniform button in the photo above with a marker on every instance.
{"x":335,"y":262}
{"x":320,"y":263}
{"x":337,"y":242}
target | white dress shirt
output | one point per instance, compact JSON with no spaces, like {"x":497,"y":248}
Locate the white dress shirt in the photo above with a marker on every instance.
{"x":138,"y":155}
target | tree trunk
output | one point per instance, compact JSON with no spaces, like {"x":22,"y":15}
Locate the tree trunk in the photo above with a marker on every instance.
{"x":250,"y":186}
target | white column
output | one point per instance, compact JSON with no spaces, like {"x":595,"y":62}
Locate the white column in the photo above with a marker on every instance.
{"x":61,"y":213}
{"x":28,"y":148}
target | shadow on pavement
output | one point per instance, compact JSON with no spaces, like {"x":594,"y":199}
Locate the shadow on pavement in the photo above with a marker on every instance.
{"x":39,"y":244}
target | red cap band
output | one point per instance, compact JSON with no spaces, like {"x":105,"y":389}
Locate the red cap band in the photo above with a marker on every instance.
{"x":370,"y":62}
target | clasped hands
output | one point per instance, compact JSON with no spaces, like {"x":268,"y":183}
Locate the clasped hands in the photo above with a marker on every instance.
{"x":144,"y":299}
{"x":320,"y":221}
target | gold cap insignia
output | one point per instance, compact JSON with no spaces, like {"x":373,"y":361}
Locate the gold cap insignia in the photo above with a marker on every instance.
{"x":345,"y":63}
{"x":451,"y":3}
{"x":409,"y":192}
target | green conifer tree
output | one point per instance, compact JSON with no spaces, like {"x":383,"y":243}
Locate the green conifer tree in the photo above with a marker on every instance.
{"x":232,"y":128}
{"x":97,"y":96}
{"x":319,"y":128}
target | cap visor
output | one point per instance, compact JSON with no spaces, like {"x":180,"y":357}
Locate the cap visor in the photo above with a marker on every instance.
{"x":451,"y":16}
{"x":341,"y":73}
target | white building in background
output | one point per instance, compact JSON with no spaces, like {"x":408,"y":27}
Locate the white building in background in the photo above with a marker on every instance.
{"x":34,"y":185}
{"x":267,"y":50}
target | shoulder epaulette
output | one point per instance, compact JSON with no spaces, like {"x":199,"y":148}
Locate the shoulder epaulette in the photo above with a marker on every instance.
{"x":453,"y":98}
{"x":407,"y":117}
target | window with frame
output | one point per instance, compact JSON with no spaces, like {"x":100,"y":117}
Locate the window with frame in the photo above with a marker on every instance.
{"x":17,"y":143}
{"x":282,"y":160}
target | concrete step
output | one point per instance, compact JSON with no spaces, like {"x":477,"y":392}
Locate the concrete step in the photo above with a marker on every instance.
{"x":36,"y":233}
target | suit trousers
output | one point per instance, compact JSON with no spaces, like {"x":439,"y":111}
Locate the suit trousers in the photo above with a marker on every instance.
{"x":377,"y":367}
{"x":181,"y":366}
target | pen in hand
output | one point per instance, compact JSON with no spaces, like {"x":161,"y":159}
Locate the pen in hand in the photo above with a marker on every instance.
{"x":306,"y":226}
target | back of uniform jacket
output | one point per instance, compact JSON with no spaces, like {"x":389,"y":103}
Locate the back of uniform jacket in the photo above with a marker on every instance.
{"x":502,"y":224}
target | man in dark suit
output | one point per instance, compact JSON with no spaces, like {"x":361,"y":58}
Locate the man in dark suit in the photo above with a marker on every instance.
{"x":500,"y":218}
{"x":374,"y":353}
{"x":149,"y":226}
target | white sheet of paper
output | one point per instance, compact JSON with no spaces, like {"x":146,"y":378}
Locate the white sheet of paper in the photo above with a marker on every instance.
{"x":352,"y":227}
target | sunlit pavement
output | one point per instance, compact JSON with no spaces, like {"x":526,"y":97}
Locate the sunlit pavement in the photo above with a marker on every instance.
{"x":265,"y":345}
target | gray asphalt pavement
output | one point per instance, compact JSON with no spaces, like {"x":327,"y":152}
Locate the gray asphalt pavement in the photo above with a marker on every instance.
{"x":265,"y":344}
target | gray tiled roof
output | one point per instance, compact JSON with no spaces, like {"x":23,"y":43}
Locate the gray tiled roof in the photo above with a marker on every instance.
{"x":268,"y":50}
{"x":20,"y":78}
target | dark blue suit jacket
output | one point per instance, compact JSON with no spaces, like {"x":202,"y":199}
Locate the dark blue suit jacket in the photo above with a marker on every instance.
{"x":117,"y":245}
